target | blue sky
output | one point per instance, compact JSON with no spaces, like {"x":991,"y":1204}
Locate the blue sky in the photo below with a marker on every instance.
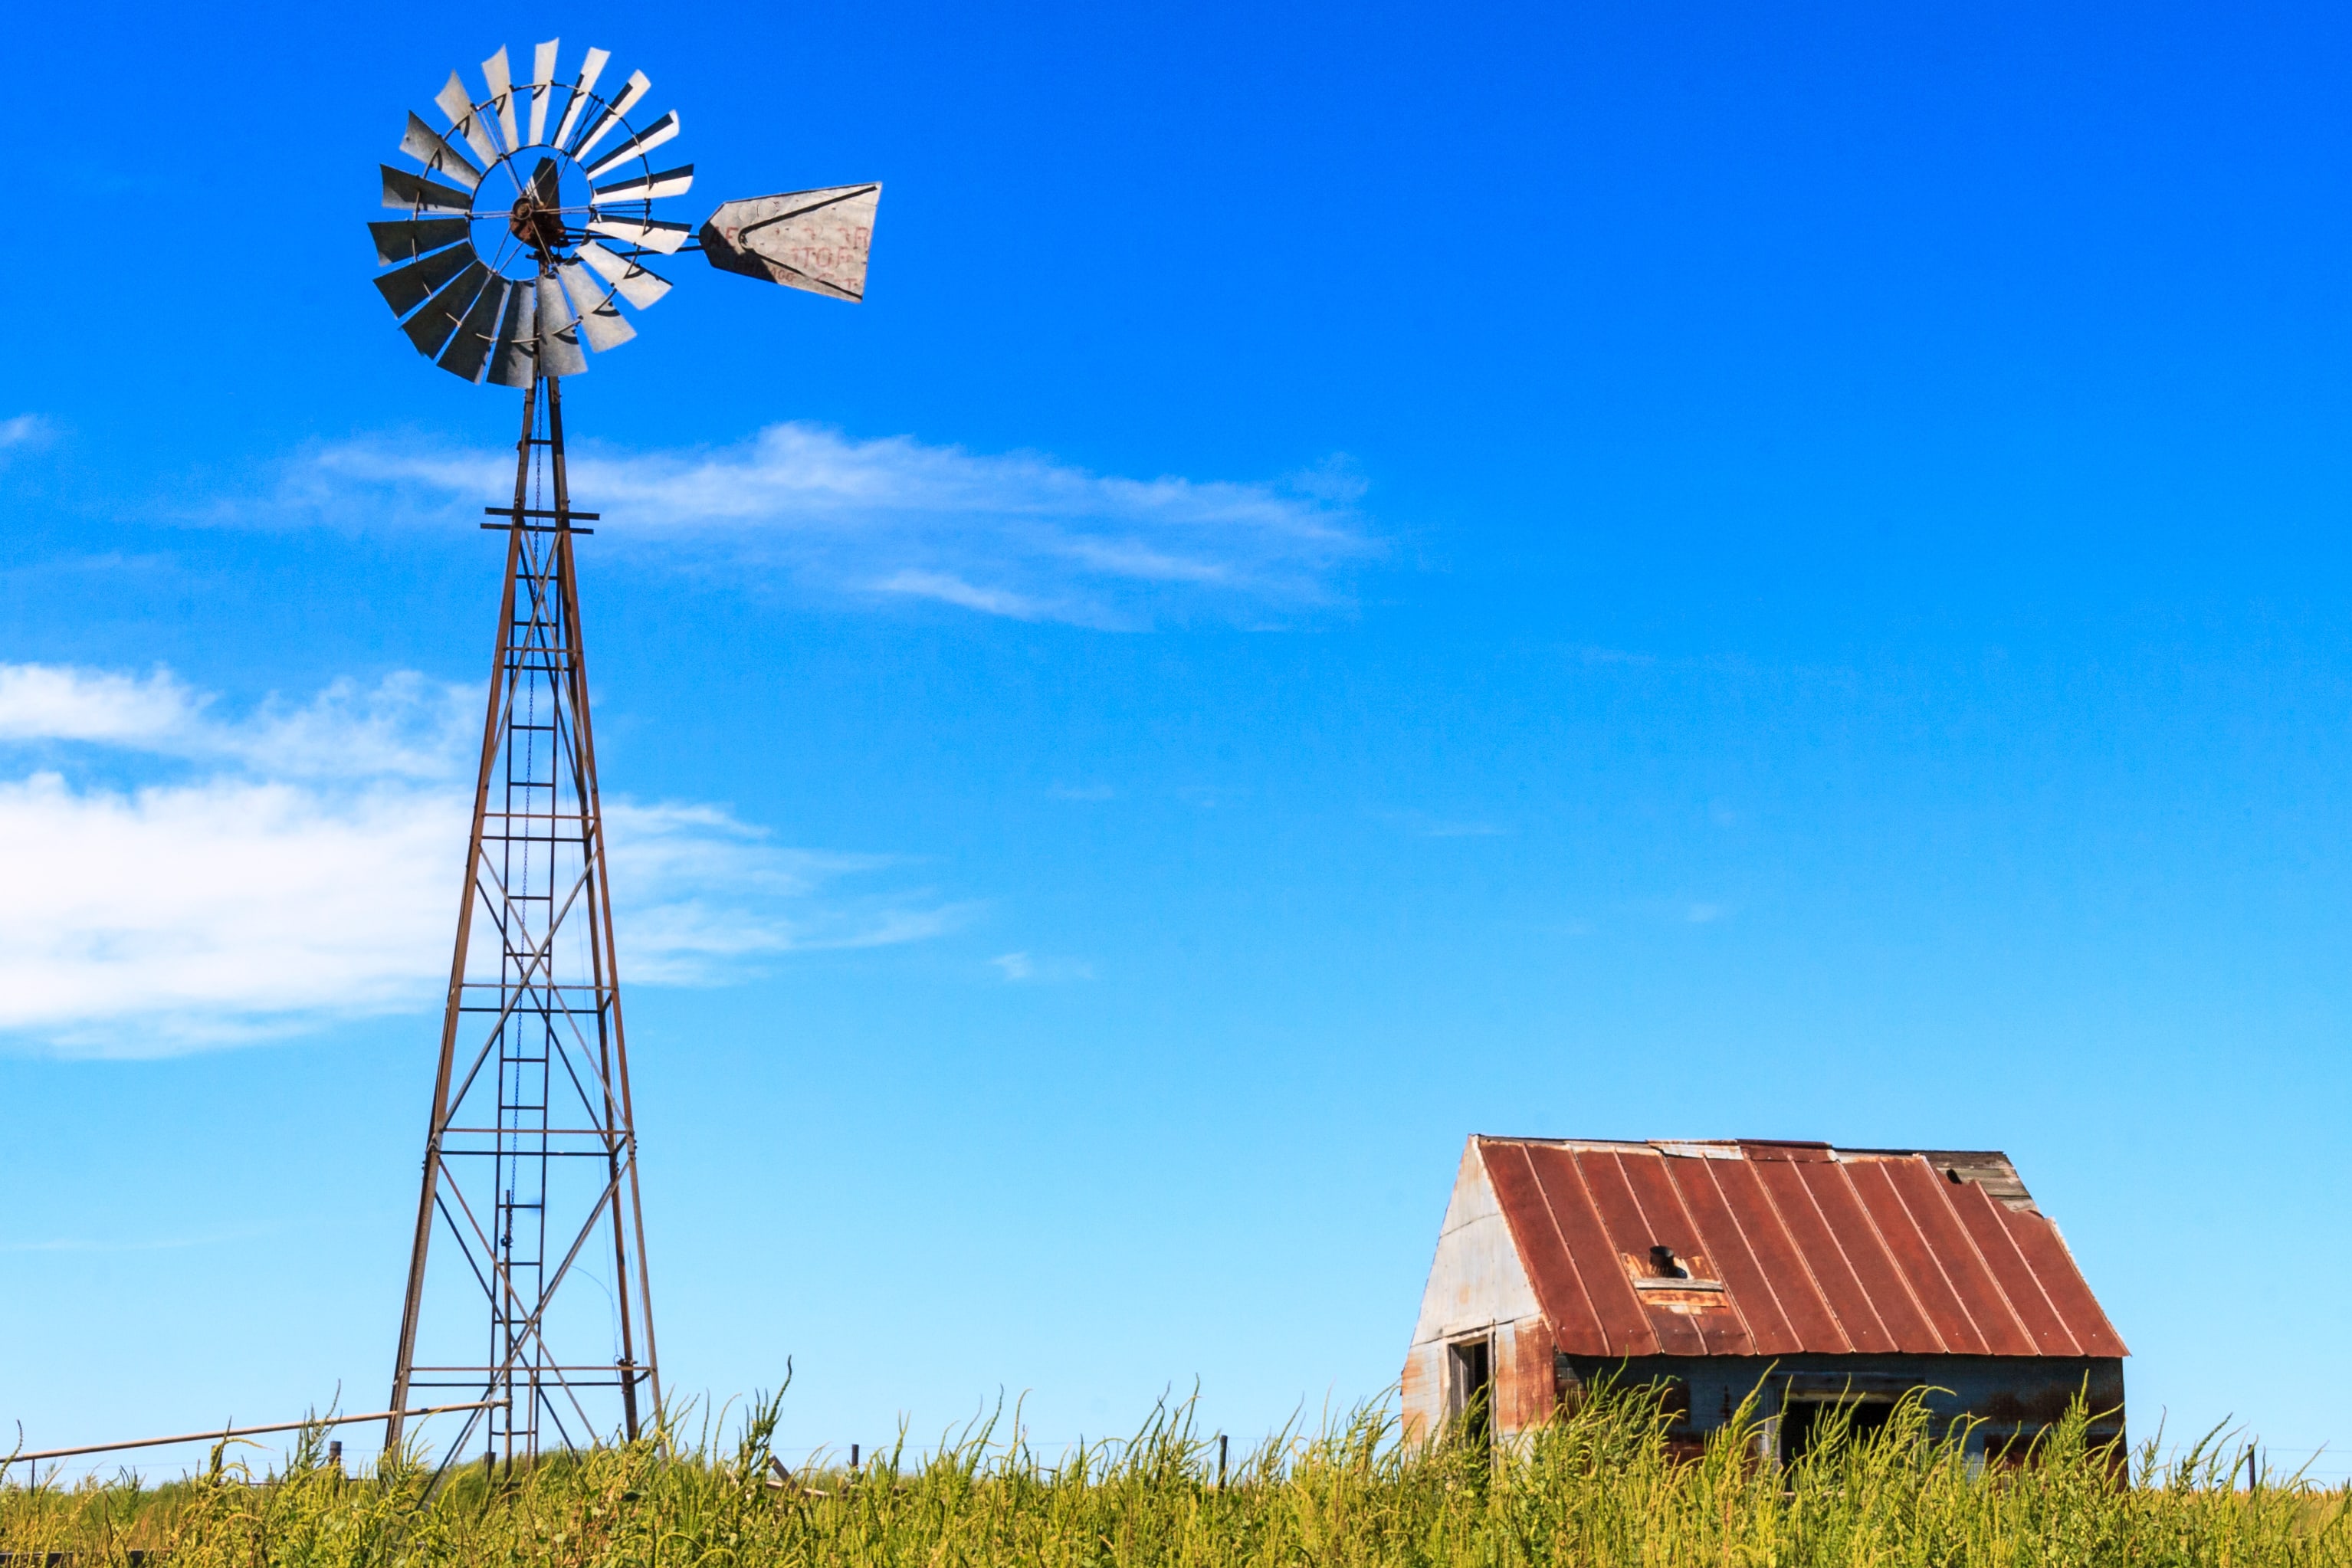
{"x":1361,"y":575}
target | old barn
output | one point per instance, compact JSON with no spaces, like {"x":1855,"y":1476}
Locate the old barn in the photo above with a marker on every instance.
{"x":1822,"y":1275}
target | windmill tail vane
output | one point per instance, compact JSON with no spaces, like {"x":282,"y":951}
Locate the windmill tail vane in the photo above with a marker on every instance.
{"x":531,"y":221}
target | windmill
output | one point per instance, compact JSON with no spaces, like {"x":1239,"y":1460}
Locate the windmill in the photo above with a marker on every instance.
{"x":530,"y":232}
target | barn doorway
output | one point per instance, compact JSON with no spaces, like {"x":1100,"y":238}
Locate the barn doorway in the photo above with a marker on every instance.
{"x":1470,"y":1389}
{"x":1805,"y":1423}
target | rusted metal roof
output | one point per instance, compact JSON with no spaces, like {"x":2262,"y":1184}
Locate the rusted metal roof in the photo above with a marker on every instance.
{"x":1789,"y":1249}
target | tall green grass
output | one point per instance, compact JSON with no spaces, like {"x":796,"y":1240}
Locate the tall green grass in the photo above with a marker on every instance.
{"x":1599,"y":1485}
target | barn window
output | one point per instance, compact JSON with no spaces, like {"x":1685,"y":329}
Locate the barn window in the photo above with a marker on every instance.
{"x":1805,"y":1423}
{"x":1470,"y":1388}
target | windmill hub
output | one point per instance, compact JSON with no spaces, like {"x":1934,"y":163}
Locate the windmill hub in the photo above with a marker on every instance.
{"x":537,"y":225}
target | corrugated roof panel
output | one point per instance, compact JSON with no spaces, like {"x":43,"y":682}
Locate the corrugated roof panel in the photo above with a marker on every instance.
{"x":1623,"y":1321}
{"x":1946,"y":1317}
{"x":1825,"y":1260}
{"x":1891,"y":1301}
{"x":1799,"y":1294}
{"x":1752,"y":1293}
{"x":1988,"y":1227}
{"x":1711,"y":1313}
{"x":1921,"y":1184}
{"x":1630,"y":1237}
{"x":1914,"y":1254}
{"x":1814,"y":1252}
{"x":1558,"y":1285}
{"x":2069,"y":1294}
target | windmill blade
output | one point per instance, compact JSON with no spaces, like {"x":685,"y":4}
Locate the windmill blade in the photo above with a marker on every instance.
{"x":637,"y":146}
{"x":469,"y":347}
{"x":665,"y":237}
{"x":500,"y":81}
{"x":430,"y":327}
{"x":600,"y":322}
{"x":515,"y":362}
{"x":458,"y":105}
{"x":546,"y":184}
{"x":816,"y":240}
{"x":559,"y":334}
{"x":590,"y":69}
{"x":409,"y":238}
{"x":633,"y":282}
{"x":410,"y":287}
{"x":543,"y":89}
{"x":637,"y":87}
{"x":428,"y":146}
{"x":407,"y":190}
{"x":648,"y":188}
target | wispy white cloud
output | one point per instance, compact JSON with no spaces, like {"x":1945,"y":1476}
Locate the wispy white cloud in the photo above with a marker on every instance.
{"x":1020,"y":968}
{"x":404,"y":727}
{"x":24,"y":433}
{"x":303,"y":861}
{"x":1015,"y":534}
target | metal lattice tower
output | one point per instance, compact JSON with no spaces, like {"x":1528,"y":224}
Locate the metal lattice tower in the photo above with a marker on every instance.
{"x":532,"y":1092}
{"x":530,"y":226}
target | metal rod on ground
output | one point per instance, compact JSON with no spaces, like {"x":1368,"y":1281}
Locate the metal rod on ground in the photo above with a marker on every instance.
{"x":219,"y":1433}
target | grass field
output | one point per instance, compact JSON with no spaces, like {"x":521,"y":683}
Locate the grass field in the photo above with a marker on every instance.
{"x":1599,"y":1486}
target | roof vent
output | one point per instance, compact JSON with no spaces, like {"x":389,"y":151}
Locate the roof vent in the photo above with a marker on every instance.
{"x":1952,"y":1174}
{"x":1663,"y":1264}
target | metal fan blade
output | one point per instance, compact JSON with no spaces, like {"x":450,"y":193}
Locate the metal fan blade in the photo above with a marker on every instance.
{"x":406,"y":191}
{"x":500,"y":81}
{"x":430,"y":327}
{"x":409,"y":238}
{"x":649,"y":187}
{"x":633,"y":283}
{"x":559,"y":334}
{"x":638,"y":86}
{"x":590,"y":69}
{"x":410,"y":287}
{"x":469,"y":347}
{"x":600,"y":322}
{"x":816,"y":240}
{"x":637,"y":146}
{"x":543,"y":88}
{"x":458,"y":105}
{"x":665,"y":237}
{"x":515,"y":362}
{"x":547,"y":184}
{"x":425,"y":145}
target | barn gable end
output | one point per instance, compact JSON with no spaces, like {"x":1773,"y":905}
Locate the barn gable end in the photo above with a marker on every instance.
{"x":1478,"y":1293}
